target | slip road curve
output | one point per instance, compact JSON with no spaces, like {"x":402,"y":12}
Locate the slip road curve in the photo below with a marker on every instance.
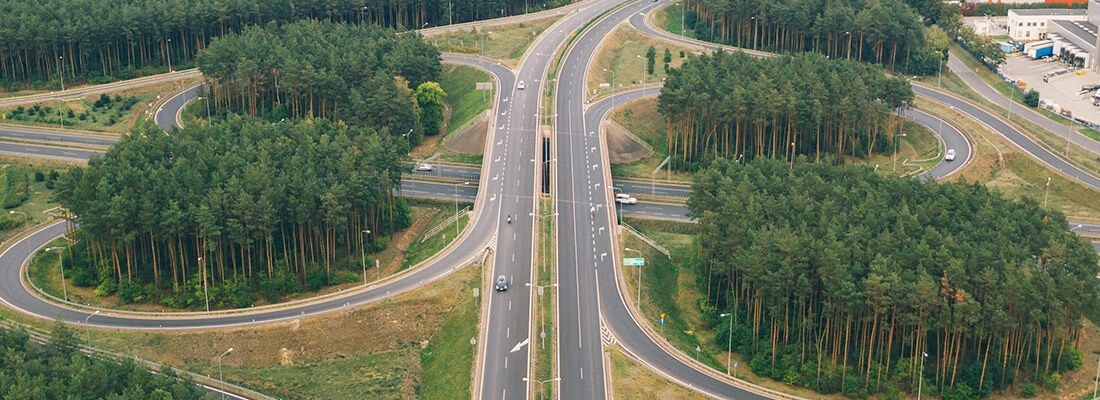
{"x":476,"y":238}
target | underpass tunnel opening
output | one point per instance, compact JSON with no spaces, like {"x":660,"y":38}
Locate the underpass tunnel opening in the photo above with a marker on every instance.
{"x":546,"y":166}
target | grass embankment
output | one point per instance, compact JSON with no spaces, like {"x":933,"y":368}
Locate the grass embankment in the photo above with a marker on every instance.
{"x":1001,"y":165}
{"x":634,"y":381}
{"x":467,"y":107}
{"x":506,"y":43}
{"x":622,"y":59}
{"x":404,"y":250}
{"x":24,"y":199}
{"x":544,"y":353}
{"x":642,"y":119}
{"x":118,"y":114}
{"x":670,"y":18}
{"x":414,"y":345}
{"x":1053,"y":141}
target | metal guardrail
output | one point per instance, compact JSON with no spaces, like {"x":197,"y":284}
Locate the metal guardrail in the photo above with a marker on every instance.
{"x":198,"y":379}
{"x":442,"y":225}
{"x":645,"y":239}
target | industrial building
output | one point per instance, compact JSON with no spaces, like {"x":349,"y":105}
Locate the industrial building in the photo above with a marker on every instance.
{"x":1034,"y":24}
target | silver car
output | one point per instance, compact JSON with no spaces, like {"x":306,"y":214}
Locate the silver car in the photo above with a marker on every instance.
{"x":502,"y":283}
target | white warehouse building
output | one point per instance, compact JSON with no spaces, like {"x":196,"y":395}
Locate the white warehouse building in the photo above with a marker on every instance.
{"x":1034,"y":24}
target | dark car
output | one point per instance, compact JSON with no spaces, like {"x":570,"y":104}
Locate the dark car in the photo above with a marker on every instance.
{"x":502,"y":283}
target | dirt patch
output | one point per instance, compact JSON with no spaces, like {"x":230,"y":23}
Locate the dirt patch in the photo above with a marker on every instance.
{"x":622,"y":147}
{"x":471,"y":138}
{"x":394,"y":255}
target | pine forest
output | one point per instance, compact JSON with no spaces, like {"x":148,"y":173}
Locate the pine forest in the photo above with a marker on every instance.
{"x":843,"y":281}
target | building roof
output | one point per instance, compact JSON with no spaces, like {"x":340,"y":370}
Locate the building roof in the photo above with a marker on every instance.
{"x":1054,"y":12}
{"x":1081,"y":34}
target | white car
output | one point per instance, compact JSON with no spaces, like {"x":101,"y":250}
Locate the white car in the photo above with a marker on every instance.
{"x":521,"y":85}
{"x":424,"y":167}
{"x":950,"y":156}
{"x":623,"y":198}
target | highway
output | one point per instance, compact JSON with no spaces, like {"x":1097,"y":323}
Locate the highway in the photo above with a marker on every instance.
{"x":97,"y":89}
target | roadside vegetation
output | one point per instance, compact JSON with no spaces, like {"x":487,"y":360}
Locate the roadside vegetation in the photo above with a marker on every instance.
{"x":99,"y":42}
{"x":624,"y":58}
{"x":506,"y":42}
{"x":631,"y":380}
{"x":397,"y":348}
{"x":59,"y":370}
{"x":953,"y":304}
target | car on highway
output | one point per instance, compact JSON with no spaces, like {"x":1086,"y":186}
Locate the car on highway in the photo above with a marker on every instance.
{"x":425,"y":167}
{"x":502,"y":283}
{"x":521,"y":85}
{"x":950,"y":156}
{"x":623,"y":198}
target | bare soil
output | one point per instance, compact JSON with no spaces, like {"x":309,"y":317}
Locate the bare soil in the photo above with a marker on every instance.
{"x":471,"y":138}
{"x":623,"y":147}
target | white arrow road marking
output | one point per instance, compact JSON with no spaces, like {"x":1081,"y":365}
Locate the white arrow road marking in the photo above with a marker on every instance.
{"x":520,"y":345}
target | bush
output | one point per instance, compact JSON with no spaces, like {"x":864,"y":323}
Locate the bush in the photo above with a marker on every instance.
{"x":103,"y":101}
{"x":82,"y":277}
{"x":1029,"y":391}
{"x":127,"y":73}
{"x":105,"y":288}
{"x":1072,"y":360}
{"x":18,"y":188}
{"x":39,"y":176}
{"x":1031,"y":98}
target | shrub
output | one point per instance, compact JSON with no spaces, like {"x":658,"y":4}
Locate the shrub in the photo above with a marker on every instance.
{"x":1029,"y":391}
{"x":105,"y":288}
{"x":1031,"y":98}
{"x":18,"y":188}
{"x":39,"y":176}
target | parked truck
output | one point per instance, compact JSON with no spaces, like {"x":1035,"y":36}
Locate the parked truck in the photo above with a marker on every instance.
{"x":1041,"y":52}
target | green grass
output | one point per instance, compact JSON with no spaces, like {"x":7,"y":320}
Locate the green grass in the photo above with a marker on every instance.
{"x":461,"y":158}
{"x":623,"y":52}
{"x":44,"y":271}
{"x":631,"y":380}
{"x":669,"y":18}
{"x":465,"y":101}
{"x":374,"y":376}
{"x":30,"y":211}
{"x":544,"y":362}
{"x":115,"y":117}
{"x":448,"y":360}
{"x":641,"y":118}
{"x":419,"y":251}
{"x":504,"y":42}
{"x":670,"y":287}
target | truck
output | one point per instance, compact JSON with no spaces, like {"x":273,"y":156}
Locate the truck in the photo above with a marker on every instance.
{"x":1042,"y":52}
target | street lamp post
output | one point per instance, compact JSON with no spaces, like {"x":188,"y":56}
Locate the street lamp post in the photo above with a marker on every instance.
{"x":525,"y":379}
{"x":618,"y":206}
{"x":920,"y":378}
{"x":643,"y":70}
{"x":60,"y":74}
{"x":1097,"y":379}
{"x":613,"y":86}
{"x":87,"y":329}
{"x":542,"y":315}
{"x":220,"y":376}
{"x":19,"y":212}
{"x":363,"y":252}
{"x":456,"y":208}
{"x":61,"y":266}
{"x":1046,"y":192}
{"x":848,"y":49}
{"x":792,"y":156}
{"x":729,"y":342}
{"x":639,"y":279}
{"x":169,"y":54}
{"x":755,"y":22}
{"x":896,"y":151}
{"x":205,"y":290}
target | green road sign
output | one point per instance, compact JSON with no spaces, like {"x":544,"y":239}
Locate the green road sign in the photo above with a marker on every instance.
{"x":638,"y":262}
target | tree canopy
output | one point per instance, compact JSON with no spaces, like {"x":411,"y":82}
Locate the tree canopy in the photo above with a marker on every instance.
{"x":362,"y":75}
{"x":887,"y":32}
{"x":841,"y":280}
{"x":243,"y":204}
{"x":729,"y":105}
{"x":58,"y":371}
{"x":101,"y":39}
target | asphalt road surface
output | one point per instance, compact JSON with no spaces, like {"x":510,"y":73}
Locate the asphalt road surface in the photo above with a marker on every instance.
{"x":97,"y":89}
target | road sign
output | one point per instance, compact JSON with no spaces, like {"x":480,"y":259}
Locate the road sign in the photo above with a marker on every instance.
{"x":636,"y":262}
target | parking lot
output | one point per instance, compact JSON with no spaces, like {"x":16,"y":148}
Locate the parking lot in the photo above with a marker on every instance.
{"x":1062,"y":89}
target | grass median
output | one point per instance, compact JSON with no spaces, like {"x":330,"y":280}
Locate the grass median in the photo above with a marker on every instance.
{"x":506,"y":43}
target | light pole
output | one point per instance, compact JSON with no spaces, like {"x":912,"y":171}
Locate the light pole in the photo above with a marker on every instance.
{"x":363,"y":252}
{"x":613,"y":87}
{"x":1069,"y":137}
{"x":643,"y":70}
{"x":456,"y":208}
{"x":60,"y":74}
{"x":205,"y":291}
{"x":729,"y":342}
{"x":755,"y":22}
{"x":896,"y":151}
{"x":19,"y":212}
{"x":408,"y":139}
{"x":61,"y":266}
{"x":792,"y":156}
{"x":849,"y":46}
{"x":1046,"y":192}
{"x":618,"y":206}
{"x":541,"y":383}
{"x":169,"y":54}
{"x":1097,"y":379}
{"x":639,"y":279}
{"x":683,"y":12}
{"x":220,"y":379}
{"x":542,"y":315}
{"x":920,"y":378}
{"x":87,"y":329}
